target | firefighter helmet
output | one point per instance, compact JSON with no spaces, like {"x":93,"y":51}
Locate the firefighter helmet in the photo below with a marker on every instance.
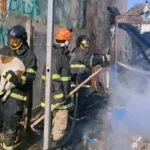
{"x":63,"y":34}
{"x":83,"y":41}
{"x":17,"y":35}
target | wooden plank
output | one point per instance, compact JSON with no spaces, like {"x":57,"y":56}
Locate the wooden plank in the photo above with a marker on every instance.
{"x":131,"y":19}
{"x":137,"y":11}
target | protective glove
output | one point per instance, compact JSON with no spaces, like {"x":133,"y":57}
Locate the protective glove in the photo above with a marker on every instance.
{"x":107,"y":58}
{"x":106,"y":61}
{"x":114,"y":13}
{"x":11,"y":77}
{"x":113,"y":10}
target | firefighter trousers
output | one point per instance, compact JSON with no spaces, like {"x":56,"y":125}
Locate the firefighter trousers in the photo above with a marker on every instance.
{"x":59,"y":124}
{"x":10,"y":113}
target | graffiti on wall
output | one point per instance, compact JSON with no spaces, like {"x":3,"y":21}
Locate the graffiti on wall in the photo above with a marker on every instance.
{"x":3,"y":36}
{"x":28,"y":8}
{"x":82,"y":14}
{"x":3,"y":6}
{"x":37,"y":9}
{"x":63,"y":13}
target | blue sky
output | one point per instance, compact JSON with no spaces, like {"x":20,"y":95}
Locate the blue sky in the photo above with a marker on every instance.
{"x":133,"y":2}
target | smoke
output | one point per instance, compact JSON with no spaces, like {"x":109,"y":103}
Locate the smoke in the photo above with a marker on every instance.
{"x":130,"y":117}
{"x":128,"y":122}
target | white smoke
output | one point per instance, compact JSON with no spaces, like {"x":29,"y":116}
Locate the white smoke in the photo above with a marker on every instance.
{"x":131,"y":110}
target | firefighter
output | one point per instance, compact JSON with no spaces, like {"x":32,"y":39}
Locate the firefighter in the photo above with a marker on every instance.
{"x":12,"y":109}
{"x":81,"y":63}
{"x":60,"y":83}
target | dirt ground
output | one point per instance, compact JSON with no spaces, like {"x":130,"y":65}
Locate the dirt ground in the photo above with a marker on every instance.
{"x":32,"y":141}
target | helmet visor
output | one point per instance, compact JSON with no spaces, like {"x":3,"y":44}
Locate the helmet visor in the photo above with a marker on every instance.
{"x":85,"y":44}
{"x":15,"y":43}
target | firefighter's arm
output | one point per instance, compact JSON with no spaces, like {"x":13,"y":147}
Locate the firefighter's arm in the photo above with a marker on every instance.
{"x":66,"y":76}
{"x":96,"y":59}
{"x":28,"y":77}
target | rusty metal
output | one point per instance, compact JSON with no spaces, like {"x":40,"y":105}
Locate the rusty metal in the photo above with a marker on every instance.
{"x":129,"y":19}
{"x":133,"y":17}
{"x":137,"y":11}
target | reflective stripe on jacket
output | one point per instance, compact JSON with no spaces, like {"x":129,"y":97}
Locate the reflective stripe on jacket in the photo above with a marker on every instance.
{"x":26,"y":55}
{"x":60,"y":78}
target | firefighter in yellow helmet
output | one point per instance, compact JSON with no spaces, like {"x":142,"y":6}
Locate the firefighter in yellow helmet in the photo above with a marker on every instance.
{"x":90,"y":102}
{"x":11,"y":110}
{"x":60,"y":83}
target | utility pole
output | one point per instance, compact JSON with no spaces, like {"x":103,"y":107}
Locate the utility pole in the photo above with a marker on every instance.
{"x":47,"y":121}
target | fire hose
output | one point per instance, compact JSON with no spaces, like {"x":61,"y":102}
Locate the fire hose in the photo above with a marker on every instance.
{"x":133,"y":69}
{"x":69,"y":95}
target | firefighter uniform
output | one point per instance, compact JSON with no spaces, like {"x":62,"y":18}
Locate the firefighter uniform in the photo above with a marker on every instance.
{"x":90,"y":102}
{"x":12,"y":109}
{"x":81,"y":63}
{"x":60,"y":90}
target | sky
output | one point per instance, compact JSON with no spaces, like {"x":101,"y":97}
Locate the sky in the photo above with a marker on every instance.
{"x":131,"y":3}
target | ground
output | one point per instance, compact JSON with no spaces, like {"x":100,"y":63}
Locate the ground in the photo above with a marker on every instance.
{"x":34,"y":142}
